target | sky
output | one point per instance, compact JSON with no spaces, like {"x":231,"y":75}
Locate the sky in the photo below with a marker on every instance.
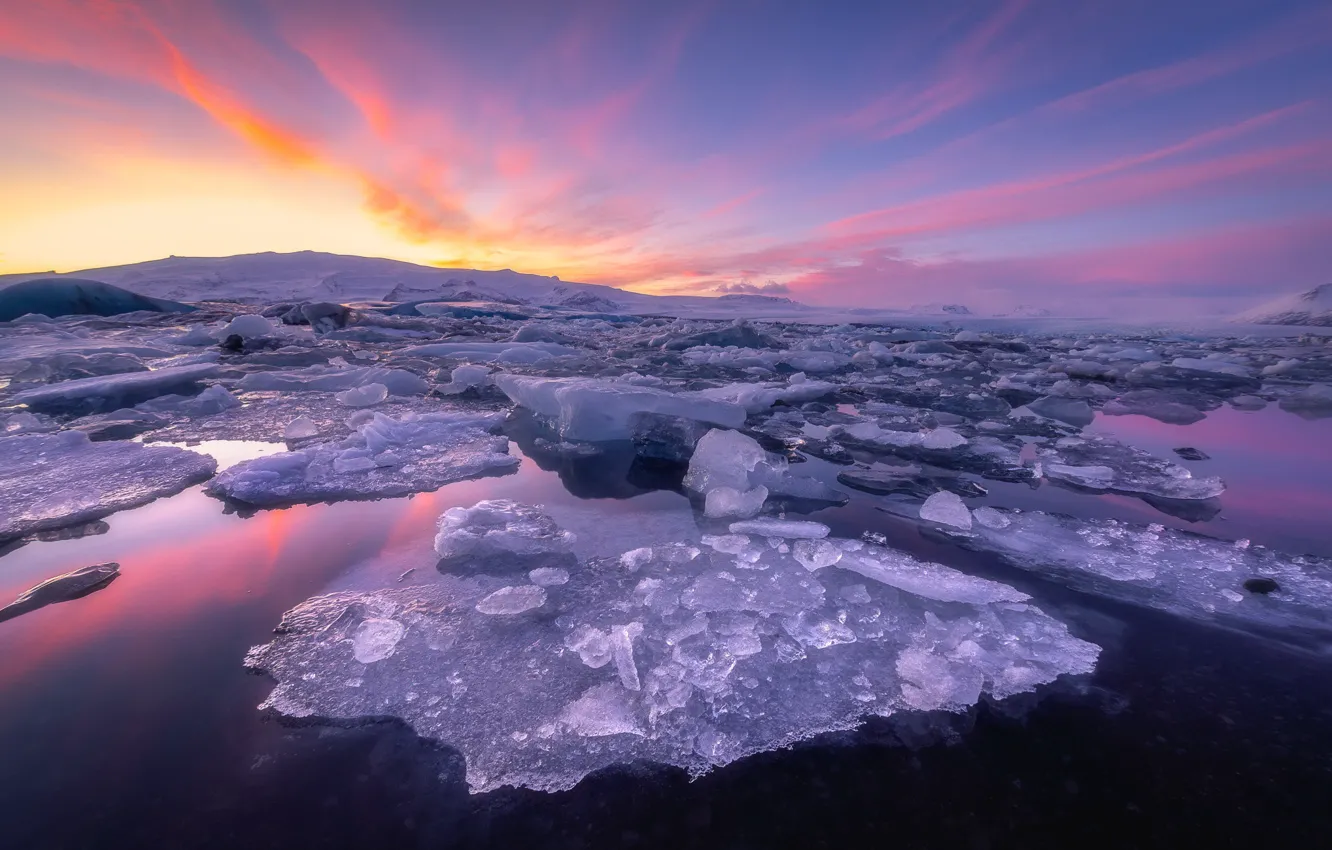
{"x":1110,"y":154}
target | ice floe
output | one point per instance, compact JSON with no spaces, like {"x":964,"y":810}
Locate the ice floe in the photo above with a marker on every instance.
{"x":49,"y":481}
{"x":382,"y":457}
{"x":674,"y":654}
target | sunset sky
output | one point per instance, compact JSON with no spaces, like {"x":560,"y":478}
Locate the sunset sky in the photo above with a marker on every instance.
{"x":874,"y":153}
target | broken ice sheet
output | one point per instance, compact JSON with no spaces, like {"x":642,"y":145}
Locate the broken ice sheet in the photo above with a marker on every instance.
{"x":383,"y":457}
{"x":51,"y":481}
{"x":1185,"y":574}
{"x":670,"y":653}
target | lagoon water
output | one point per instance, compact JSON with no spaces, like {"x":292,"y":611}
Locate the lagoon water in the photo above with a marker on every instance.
{"x":127,"y":719}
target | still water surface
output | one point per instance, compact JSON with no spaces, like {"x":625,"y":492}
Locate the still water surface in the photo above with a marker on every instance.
{"x":127,"y":719}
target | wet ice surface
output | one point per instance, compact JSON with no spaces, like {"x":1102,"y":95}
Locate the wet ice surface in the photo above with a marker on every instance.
{"x":382,"y":457}
{"x":774,"y":460}
{"x":50,"y":481}
{"x":692,"y":656}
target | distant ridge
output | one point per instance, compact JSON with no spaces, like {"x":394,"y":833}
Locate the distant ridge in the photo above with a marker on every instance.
{"x":1312,"y":307}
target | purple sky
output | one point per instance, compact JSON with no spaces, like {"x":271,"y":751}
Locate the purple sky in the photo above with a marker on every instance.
{"x":1118,"y":155}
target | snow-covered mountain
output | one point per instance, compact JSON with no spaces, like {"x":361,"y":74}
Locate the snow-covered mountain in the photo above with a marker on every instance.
{"x":313,"y":275}
{"x":1313,"y":307}
{"x":270,"y":278}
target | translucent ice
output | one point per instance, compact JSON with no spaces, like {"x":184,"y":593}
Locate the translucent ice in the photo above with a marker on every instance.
{"x":946,"y":508}
{"x":367,"y":395}
{"x":1185,"y":574}
{"x":499,"y":527}
{"x":300,"y":428}
{"x":789,"y":528}
{"x":684,"y":661}
{"x":513,"y":600}
{"x":593,"y":409}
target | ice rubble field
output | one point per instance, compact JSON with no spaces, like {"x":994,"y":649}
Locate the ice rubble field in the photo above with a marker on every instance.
{"x":752,"y":630}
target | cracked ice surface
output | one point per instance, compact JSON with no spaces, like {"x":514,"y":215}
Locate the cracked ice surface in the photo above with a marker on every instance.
{"x":686,"y":656}
{"x":1101,"y":464}
{"x":1175,"y":571}
{"x":55,"y":480}
{"x":382,"y":457}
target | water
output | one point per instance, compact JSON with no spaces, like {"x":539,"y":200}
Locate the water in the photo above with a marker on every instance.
{"x":128,"y":721}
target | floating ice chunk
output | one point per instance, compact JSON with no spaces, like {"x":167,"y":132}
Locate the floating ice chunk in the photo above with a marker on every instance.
{"x":925,"y":579}
{"x":548,"y":576}
{"x":1071,"y":411}
{"x":755,"y":398}
{"x":110,"y":392}
{"x":942,"y":438}
{"x":602,"y":710}
{"x":1098,"y":463}
{"x":1314,"y":401}
{"x":723,"y":459}
{"x":990,"y":518}
{"x":247,"y":327}
{"x":729,"y":502}
{"x":1185,"y":574}
{"x":592,"y":645}
{"x":622,"y":653}
{"x":713,"y":665}
{"x":375,"y":640}
{"x":466,"y":377}
{"x":946,"y":508}
{"x":1162,"y":405}
{"x":382,"y":457}
{"x":56,"y":480}
{"x":364,"y":396}
{"x":815,"y":555}
{"x":494,"y":352}
{"x":857,"y":594}
{"x":211,"y":401}
{"x":593,"y":409}
{"x":499,"y":527}
{"x":788,"y":528}
{"x":1224,"y":367}
{"x":931,"y":682}
{"x":300,"y":428}
{"x":1248,"y":402}
{"x":513,"y":600}
{"x":335,"y":379}
{"x":196,"y":336}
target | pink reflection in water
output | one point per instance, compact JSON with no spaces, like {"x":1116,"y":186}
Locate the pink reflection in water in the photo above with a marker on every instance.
{"x":1277,"y":469}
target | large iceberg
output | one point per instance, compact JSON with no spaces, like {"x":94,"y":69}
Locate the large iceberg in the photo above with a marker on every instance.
{"x":382,"y":457}
{"x":50,"y":481}
{"x":593,"y":409}
{"x":675,"y":654}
